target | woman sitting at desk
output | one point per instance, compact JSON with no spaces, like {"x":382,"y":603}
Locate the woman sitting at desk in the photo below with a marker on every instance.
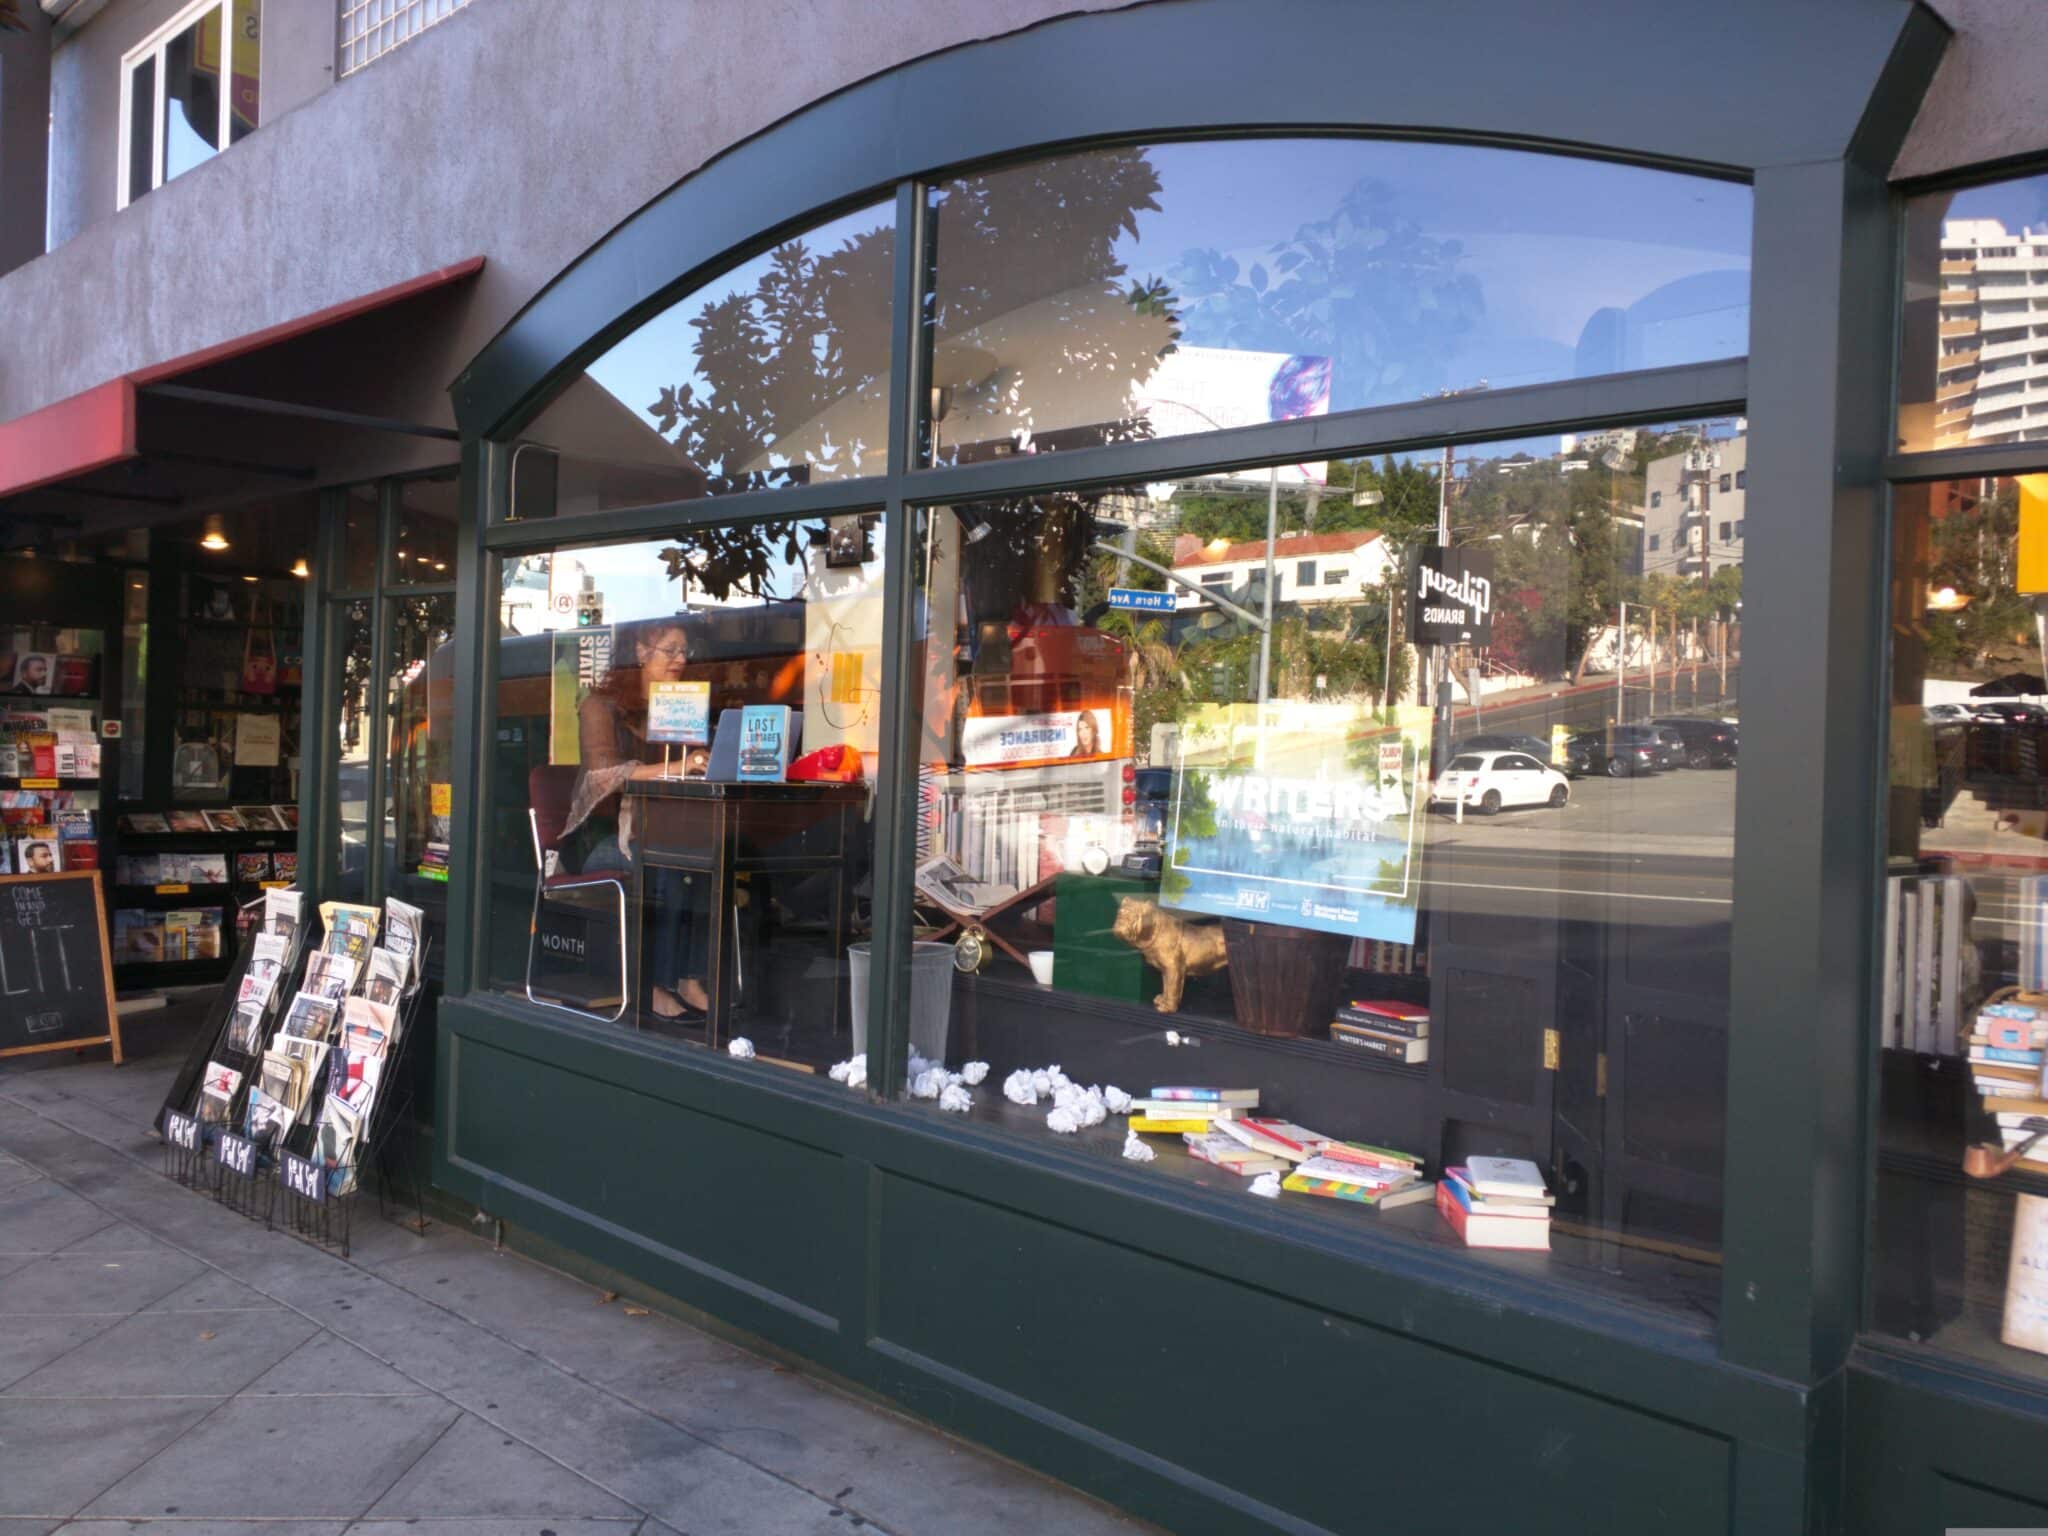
{"x":612,"y":727}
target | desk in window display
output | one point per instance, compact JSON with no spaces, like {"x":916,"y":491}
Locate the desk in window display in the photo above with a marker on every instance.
{"x":769,"y":832}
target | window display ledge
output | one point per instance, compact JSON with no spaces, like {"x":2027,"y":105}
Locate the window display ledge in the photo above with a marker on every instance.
{"x":1431,"y":1293}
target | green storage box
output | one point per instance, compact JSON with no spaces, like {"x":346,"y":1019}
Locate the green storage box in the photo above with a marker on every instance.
{"x":1087,"y":957}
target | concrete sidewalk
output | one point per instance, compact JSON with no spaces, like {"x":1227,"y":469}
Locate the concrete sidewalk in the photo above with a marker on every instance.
{"x":168,"y":1366}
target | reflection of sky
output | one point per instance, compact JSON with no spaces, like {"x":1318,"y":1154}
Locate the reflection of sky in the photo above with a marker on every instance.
{"x":1551,"y":240}
{"x":2015,"y":204}
{"x":663,"y":352}
{"x":1583,"y":265}
{"x":183,"y":148}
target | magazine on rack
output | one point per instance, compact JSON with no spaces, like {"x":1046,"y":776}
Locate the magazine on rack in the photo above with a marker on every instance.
{"x":331,"y":976}
{"x":386,"y":981}
{"x":311,"y":1016}
{"x":351,"y":929}
{"x":217,"y":1093}
{"x":402,"y":928}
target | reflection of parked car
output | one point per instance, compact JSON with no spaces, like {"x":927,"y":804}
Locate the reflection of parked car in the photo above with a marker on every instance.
{"x":1502,"y":741}
{"x":1619,"y":752}
{"x":1948,"y":714}
{"x":2011,"y":712}
{"x":1706,"y":743}
{"x":1490,"y":781}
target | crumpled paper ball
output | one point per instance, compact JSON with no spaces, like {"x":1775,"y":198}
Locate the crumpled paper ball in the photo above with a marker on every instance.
{"x":1018,"y":1088}
{"x":741,"y":1047}
{"x":1064,"y":1122}
{"x":918,"y":1066}
{"x":1135,"y":1148}
{"x":973,"y":1073}
{"x":956,"y":1099}
{"x":853,"y":1072}
{"x":1116,"y":1101}
{"x":1041,"y":1083}
{"x":928,"y":1084}
{"x":1268,"y":1185}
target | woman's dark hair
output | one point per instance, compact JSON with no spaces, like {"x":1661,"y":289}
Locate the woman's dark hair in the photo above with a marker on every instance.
{"x":648,"y":632}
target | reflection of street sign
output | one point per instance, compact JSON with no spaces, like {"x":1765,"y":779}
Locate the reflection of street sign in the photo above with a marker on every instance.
{"x":1133,"y":600}
{"x":1365,"y":498}
{"x":1450,"y":594}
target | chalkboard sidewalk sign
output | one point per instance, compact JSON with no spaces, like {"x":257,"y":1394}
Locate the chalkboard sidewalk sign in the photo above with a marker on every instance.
{"x":56,"y":968}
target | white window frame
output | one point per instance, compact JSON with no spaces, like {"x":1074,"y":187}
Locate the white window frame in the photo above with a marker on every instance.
{"x":153,"y":47}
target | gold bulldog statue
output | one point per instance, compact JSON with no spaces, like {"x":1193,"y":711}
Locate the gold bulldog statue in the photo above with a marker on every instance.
{"x":1176,"y":949}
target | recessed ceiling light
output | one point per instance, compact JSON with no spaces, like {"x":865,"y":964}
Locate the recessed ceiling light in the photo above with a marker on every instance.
{"x":214,"y":538}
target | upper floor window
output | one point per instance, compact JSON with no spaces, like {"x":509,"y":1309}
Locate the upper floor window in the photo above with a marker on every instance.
{"x":372,"y":28}
{"x":1305,"y":573}
{"x":189,"y":92}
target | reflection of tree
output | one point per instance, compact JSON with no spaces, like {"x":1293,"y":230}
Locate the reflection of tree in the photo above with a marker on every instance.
{"x":1364,"y":287}
{"x":1039,"y":241}
{"x":1973,"y":546}
{"x":770,"y":363}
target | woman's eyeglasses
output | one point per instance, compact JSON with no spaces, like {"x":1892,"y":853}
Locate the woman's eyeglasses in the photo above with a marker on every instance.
{"x":671,"y":651}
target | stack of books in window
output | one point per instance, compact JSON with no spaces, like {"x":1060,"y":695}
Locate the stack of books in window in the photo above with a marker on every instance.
{"x":1497,"y":1202}
{"x":434,"y":862}
{"x":2006,"y":1045}
{"x":1392,"y":1030}
{"x":1190,"y":1111}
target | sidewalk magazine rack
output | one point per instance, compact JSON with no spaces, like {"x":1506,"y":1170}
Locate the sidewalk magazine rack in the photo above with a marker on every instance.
{"x":318,"y":1203}
{"x":313,"y":1209}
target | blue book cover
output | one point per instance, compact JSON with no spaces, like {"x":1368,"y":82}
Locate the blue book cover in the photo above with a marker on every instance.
{"x":764,"y":743}
{"x":2001,"y":1053}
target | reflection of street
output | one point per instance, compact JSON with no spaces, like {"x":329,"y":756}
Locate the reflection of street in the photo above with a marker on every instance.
{"x":1645,"y":851}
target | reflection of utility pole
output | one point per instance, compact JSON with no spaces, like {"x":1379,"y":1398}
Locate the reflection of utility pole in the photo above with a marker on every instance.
{"x":1266,"y":629}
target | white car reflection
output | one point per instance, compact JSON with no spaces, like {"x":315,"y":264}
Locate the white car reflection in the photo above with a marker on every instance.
{"x":1487,"y":782}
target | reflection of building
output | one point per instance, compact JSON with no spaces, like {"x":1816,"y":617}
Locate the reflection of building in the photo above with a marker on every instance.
{"x":1307,"y":567}
{"x":1692,"y":512}
{"x":1991,"y":384}
{"x":1610,"y":447}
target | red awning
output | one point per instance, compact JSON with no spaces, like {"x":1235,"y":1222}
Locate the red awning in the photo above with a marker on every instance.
{"x":97,"y":427}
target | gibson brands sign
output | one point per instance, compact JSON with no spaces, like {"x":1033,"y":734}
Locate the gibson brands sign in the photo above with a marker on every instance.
{"x":1450,"y":597}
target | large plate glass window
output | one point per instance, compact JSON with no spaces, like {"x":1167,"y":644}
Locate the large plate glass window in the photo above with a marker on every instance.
{"x":189,"y":92}
{"x":1961,"y":1235}
{"x":685,"y":736}
{"x":1191,"y":823}
{"x":774,"y":374}
{"x":1165,"y":289}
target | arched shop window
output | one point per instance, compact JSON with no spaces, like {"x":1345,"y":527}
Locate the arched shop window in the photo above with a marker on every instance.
{"x":846,"y":704}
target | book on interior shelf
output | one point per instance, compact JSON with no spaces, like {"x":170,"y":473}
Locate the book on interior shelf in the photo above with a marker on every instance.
{"x":1391,"y":1047}
{"x":1247,"y":1097}
{"x":1281,"y":1138}
{"x":1484,"y":1230}
{"x":2003,"y":1057}
{"x":1389,"y":1018}
{"x":1232,"y":1156}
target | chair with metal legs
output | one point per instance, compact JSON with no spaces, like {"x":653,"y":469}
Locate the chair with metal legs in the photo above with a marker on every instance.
{"x":550,"y":788}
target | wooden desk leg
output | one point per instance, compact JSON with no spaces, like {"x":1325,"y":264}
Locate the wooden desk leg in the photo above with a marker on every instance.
{"x":723,"y":895}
